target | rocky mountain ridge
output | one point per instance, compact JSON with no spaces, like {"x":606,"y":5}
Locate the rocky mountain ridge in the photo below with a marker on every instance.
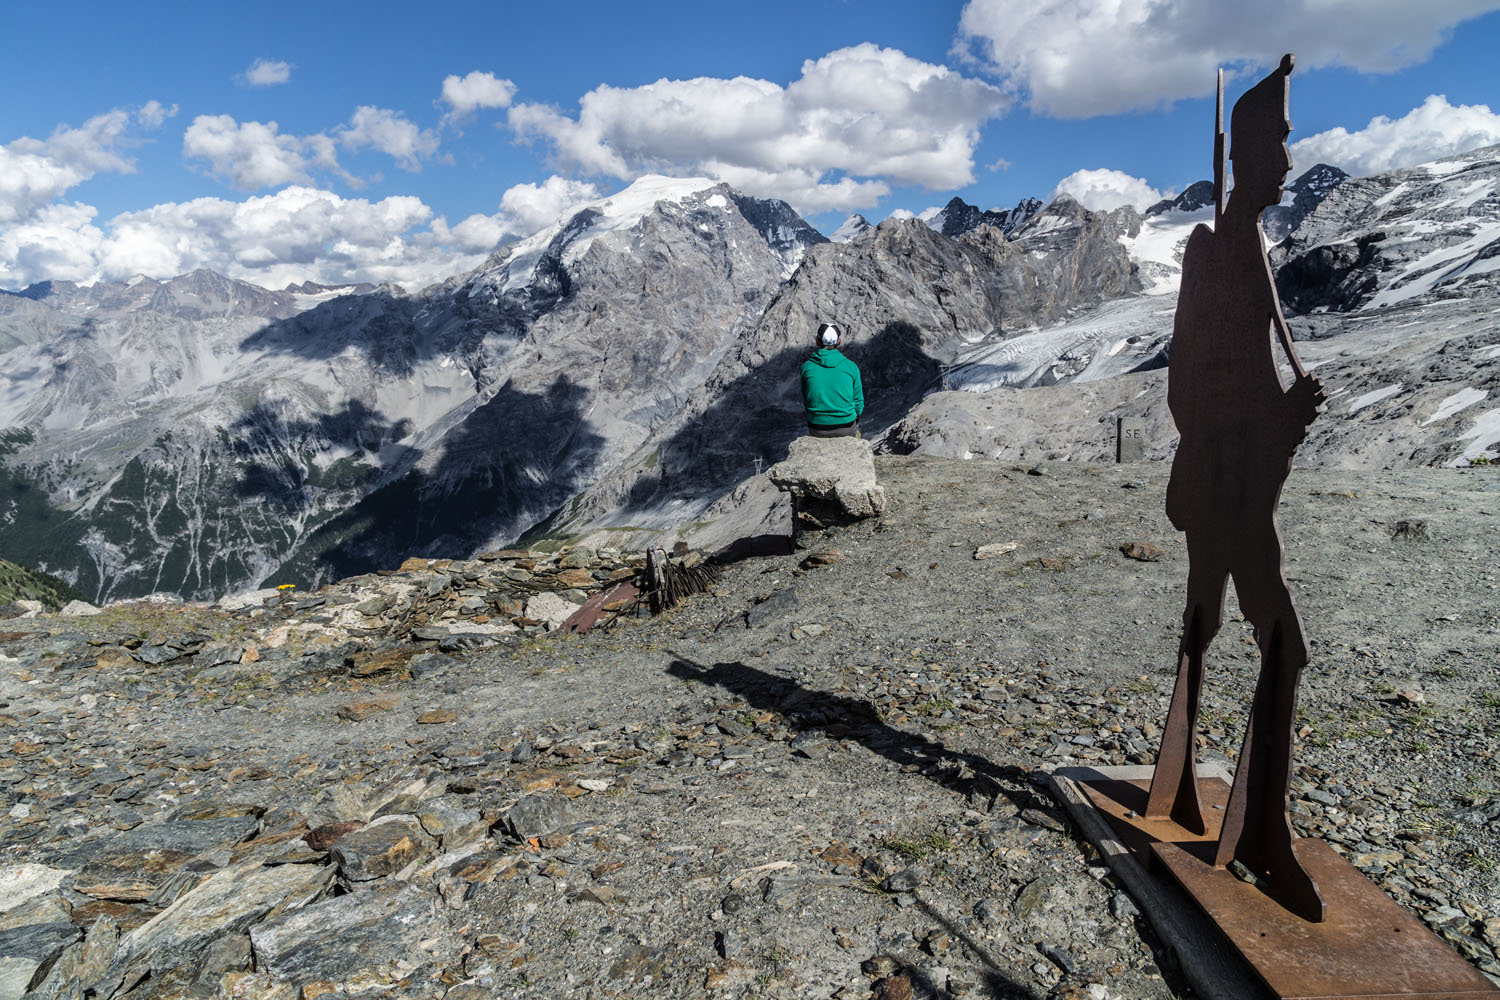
{"x":959,"y":217}
{"x":196,"y":435}
{"x":910,"y":299}
{"x":625,"y":369}
{"x":1389,"y":288}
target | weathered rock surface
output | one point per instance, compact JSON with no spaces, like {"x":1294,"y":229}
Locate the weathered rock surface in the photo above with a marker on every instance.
{"x":839,"y":470}
{"x":382,"y":847}
{"x":333,"y":939}
{"x":550,"y":609}
{"x":225,"y":904}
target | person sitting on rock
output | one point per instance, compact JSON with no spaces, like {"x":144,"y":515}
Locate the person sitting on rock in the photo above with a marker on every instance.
{"x":831,"y":388}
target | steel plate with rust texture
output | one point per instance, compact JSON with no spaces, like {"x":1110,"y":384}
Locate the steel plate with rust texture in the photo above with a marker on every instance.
{"x":1368,"y":947}
{"x":1122,"y":803}
{"x":592,"y":610}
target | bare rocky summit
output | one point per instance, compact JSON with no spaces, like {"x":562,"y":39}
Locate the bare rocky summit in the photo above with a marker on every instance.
{"x":823,"y":778}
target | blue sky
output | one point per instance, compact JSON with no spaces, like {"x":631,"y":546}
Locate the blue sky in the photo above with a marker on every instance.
{"x":145,"y":142}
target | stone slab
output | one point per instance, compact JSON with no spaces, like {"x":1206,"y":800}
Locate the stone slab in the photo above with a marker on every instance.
{"x":335,"y":937}
{"x":20,"y":883}
{"x":228,"y":902}
{"x":1130,"y":439}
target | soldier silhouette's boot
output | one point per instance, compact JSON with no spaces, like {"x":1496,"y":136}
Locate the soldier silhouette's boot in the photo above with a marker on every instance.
{"x":1174,"y":783}
{"x":1257,"y":831}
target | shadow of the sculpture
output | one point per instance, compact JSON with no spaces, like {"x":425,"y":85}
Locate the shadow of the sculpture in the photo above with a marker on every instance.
{"x":966,"y":773}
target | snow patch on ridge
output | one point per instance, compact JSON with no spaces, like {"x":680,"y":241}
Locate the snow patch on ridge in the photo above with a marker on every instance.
{"x":1371,"y":398}
{"x":1484,"y":432}
{"x":1460,"y":400}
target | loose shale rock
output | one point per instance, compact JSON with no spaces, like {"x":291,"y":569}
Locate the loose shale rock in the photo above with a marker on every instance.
{"x":338,"y":936}
{"x":383,"y":846}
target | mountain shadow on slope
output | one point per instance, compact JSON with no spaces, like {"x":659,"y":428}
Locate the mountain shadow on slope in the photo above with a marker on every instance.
{"x":277,"y":454}
{"x":392,"y":333}
{"x":512,"y":458}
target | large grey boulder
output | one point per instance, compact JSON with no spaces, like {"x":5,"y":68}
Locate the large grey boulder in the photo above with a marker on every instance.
{"x":550,"y":609}
{"x":841,"y":470}
{"x":32,"y":936}
{"x":227,"y":903}
{"x":339,"y":936}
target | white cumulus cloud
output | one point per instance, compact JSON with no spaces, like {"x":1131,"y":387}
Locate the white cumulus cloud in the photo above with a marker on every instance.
{"x":268,"y":72}
{"x":1076,"y":58}
{"x":57,"y":241}
{"x":391,"y":133}
{"x":469,"y":93}
{"x":296,"y":234}
{"x":857,"y":120}
{"x":526,"y":208}
{"x":1431,"y":131}
{"x":252,"y":155}
{"x":255,"y":155}
{"x":35,"y":172}
{"x":154,"y":114}
{"x":1105,"y":190}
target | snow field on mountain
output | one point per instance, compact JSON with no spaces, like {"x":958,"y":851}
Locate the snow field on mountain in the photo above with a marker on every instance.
{"x":1433,"y":268}
{"x":1104,"y":342}
{"x":1158,"y":247}
{"x":617,"y":212}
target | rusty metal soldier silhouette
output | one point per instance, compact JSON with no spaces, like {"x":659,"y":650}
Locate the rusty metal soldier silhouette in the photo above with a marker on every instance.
{"x":1239,"y":428}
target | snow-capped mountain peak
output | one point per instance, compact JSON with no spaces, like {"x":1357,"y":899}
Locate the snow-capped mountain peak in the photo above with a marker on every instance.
{"x":577,"y":228}
{"x":853,"y":226}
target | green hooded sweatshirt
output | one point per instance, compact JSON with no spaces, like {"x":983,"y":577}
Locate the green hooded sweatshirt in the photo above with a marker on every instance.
{"x":831,"y":389}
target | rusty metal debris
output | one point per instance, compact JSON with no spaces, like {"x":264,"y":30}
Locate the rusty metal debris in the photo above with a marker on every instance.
{"x":665,"y":583}
{"x":1368,"y":946}
{"x":616,"y":598}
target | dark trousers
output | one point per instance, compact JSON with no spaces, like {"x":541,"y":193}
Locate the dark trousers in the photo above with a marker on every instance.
{"x":848,"y":430}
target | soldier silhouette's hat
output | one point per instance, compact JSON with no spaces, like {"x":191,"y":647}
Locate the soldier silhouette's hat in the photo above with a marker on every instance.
{"x":1260,"y":111}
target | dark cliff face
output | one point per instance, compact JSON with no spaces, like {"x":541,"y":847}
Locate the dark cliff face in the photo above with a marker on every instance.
{"x":779,"y":225}
{"x":1308,"y":192}
{"x":1197,"y":195}
{"x":959,"y":217}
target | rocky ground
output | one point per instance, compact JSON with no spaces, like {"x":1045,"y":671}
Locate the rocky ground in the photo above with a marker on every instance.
{"x":824,"y":778}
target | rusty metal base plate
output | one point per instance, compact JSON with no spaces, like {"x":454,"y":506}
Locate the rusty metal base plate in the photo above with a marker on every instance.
{"x":1368,"y":947}
{"x":1122,"y":803}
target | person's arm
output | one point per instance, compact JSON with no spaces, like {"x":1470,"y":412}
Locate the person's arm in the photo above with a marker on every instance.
{"x":859,"y":392}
